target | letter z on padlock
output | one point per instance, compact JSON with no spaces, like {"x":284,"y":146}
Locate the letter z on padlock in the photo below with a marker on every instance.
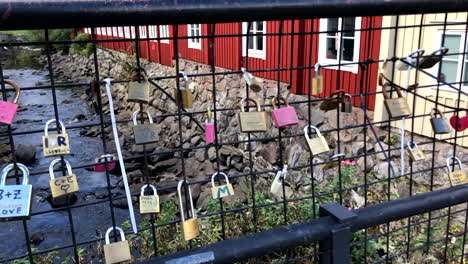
{"x":439,"y":122}
{"x":284,"y":116}
{"x":149,"y":204}
{"x":144,"y":133}
{"x":456,"y":177}
{"x":396,"y":107}
{"x":138,"y":92}
{"x":8,"y":109}
{"x":118,"y":251}
{"x":189,"y":227}
{"x":252,"y":121}
{"x":15,"y":200}
{"x":64,"y":185}
{"x":55,"y":145}
{"x":222,"y":190}
{"x":317,"y":144}
{"x":414,"y":152}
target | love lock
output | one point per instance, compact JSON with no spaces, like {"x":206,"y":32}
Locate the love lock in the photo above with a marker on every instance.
{"x":64,"y":185}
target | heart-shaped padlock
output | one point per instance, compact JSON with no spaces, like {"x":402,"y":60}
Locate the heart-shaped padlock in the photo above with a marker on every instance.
{"x":459,"y":123}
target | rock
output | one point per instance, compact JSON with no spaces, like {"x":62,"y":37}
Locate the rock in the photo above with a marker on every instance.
{"x":101,"y":193}
{"x":120,"y":203}
{"x":381,"y":155}
{"x":381,"y":170}
{"x":269,"y":152}
{"x":37,"y":238}
{"x":25,"y":154}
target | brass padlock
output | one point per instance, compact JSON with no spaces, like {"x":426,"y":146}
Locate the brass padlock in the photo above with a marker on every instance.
{"x":396,"y":107}
{"x":439,"y":124}
{"x":414,"y":152}
{"x":432,"y":59}
{"x":149,"y":204}
{"x":347,"y":106}
{"x":223,"y":190}
{"x":138,"y":90}
{"x":252,"y":121}
{"x":251,"y":80}
{"x":118,"y":251}
{"x":55,"y":145}
{"x":278,"y":180}
{"x":318,"y":144}
{"x":144,"y":133}
{"x":189,"y":227}
{"x":184,"y":94}
{"x":456,"y":177}
{"x":332,"y":103}
{"x":15,"y":200}
{"x":64,"y":185}
{"x":317,"y":86}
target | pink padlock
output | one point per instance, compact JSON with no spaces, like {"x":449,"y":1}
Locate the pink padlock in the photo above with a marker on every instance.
{"x":209,"y":128}
{"x":102,"y":167}
{"x":8,"y":109}
{"x":284,"y":116}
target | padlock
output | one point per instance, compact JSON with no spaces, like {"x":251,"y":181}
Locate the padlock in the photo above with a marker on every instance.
{"x":15,"y":200}
{"x":189,"y":227}
{"x":432,"y":59}
{"x":138,"y":90}
{"x":456,"y":177}
{"x":332,"y":103}
{"x":183,"y":96}
{"x":209,"y":128}
{"x":222,"y":190}
{"x":439,"y":124}
{"x":251,"y":80}
{"x":284,"y":116}
{"x":317,"y":144}
{"x":396,"y":107}
{"x":55,"y":145}
{"x":411,"y":59}
{"x":347,"y":106}
{"x":414,"y":152}
{"x":149,"y":204}
{"x":458,"y":123}
{"x":144,"y":133}
{"x":278,"y":180}
{"x":252,"y":121}
{"x":64,"y":185}
{"x":8,"y":109}
{"x":317,"y":86}
{"x":108,"y":160}
{"x":118,"y":251}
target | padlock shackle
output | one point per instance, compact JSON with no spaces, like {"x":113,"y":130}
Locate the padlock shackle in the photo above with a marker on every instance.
{"x":247,"y":76}
{"x":122,"y":234}
{"x":186,"y":79}
{"x":416,"y":53}
{"x":209,"y":115}
{"x":306,"y":131}
{"x":179,"y":192}
{"x":46,"y":128}
{"x":143,"y":188}
{"x":339,"y":93}
{"x":284,"y":171}
{"x":435,"y":111}
{"x":215,"y":174}
{"x":412,"y":144}
{"x":441,"y":50}
{"x":460,"y":165}
{"x":104,"y":157}
{"x":134,"y":117}
{"x":381,"y":69}
{"x":54,"y":162}
{"x":397,"y":89}
{"x":10,"y":167}
{"x":348,"y":95}
{"x":317,"y":70}
{"x":249,"y":100}
{"x":17,"y":90}
{"x":274,"y":99}
{"x":135,"y":74}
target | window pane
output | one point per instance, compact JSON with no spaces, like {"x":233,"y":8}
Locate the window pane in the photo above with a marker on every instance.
{"x":332,"y":25}
{"x":331,"y":48}
{"x":449,"y":71}
{"x":349,"y":24}
{"x":465,"y":75}
{"x":259,"y":43}
{"x":452,"y":42}
{"x":259,"y":26}
{"x":348,"y":49}
{"x":250,"y":42}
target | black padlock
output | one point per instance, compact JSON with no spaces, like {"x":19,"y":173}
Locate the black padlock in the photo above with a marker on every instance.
{"x":347,"y":106}
{"x":432,"y":59}
{"x":439,"y":124}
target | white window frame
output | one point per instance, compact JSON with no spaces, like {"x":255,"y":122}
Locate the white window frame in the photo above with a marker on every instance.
{"x":127,"y":33}
{"x":323,"y":60}
{"x":164,"y":33}
{"x":194,"y":43}
{"x":104,"y":31}
{"x":459,"y":78}
{"x":109,"y":31}
{"x":254,"y":53}
{"x":142,"y":30}
{"x":132,"y":32}
{"x":120,"y":32}
{"x":152,"y":30}
{"x":115,"y":31}
{"x":87,"y":30}
{"x":98,"y":31}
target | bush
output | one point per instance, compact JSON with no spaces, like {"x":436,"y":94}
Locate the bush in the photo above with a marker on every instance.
{"x":84,"y":49}
{"x":54,"y":35}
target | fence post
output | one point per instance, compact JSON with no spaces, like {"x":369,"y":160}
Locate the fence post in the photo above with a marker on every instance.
{"x":335,"y":249}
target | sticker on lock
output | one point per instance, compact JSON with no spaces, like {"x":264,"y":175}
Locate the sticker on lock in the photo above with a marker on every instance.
{"x":55,"y":145}
{"x":221,"y":190}
{"x":15,"y":200}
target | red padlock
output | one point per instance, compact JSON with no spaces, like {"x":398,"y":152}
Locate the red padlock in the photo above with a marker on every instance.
{"x":102,"y":167}
{"x":284,"y":116}
{"x":8,"y":109}
{"x":459,"y":123}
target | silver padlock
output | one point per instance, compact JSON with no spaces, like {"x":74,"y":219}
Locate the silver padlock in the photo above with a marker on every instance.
{"x":144,"y":133}
{"x":278,"y":181}
{"x":190,"y":228}
{"x":15,"y":200}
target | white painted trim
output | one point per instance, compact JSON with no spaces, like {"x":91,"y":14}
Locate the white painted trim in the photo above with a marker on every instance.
{"x":120,"y":32}
{"x":164,"y":33}
{"x":109,"y":31}
{"x":259,"y":54}
{"x":192,"y":44}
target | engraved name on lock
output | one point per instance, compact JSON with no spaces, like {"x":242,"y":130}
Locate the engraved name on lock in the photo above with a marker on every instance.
{"x":15,"y":200}
{"x":221,"y":190}
{"x":118,"y":251}
{"x":252,"y":121}
{"x":317,"y":144}
{"x":190,"y":228}
{"x":457,"y":176}
{"x":55,"y":145}
{"x":149,"y":204}
{"x":65,"y":185}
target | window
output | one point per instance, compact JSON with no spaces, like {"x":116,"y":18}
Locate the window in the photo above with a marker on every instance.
{"x":87,"y":30}
{"x":194,"y":30}
{"x":142,"y":31}
{"x":98,"y":31}
{"x":164,"y":33}
{"x":103,"y":31}
{"x":120,"y":32}
{"x":256,"y":43}
{"x":152,"y":32}
{"x":340,"y":43}
{"x":132,"y":30}
{"x":109,"y":31}
{"x":115,"y":31}
{"x":127,"y":32}
{"x":451,"y":66}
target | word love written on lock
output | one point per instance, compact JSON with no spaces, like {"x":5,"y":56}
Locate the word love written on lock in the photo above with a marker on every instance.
{"x":252,"y":121}
{"x":396,"y":107}
{"x":189,"y":227}
{"x":64,"y":185}
{"x":184,"y":96}
{"x":414,"y":152}
{"x":209,"y":128}
{"x":251,"y":80}
{"x":222,"y":190}
{"x":284,"y":116}
{"x":15,"y":200}
{"x":149,"y":204}
{"x":317,"y":144}
{"x":138,"y":90}
{"x":439,"y":122}
{"x":278,"y":180}
{"x":456,"y":177}
{"x":118,"y":251}
{"x":8,"y":109}
{"x":106,"y":160}
{"x":332,"y":103}
{"x":55,"y":145}
{"x":144,"y":133}
{"x":317,"y":86}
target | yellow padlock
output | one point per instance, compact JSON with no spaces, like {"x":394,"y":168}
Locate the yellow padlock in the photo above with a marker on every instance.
{"x":183,"y":96}
{"x":116,"y":252}
{"x":64,"y":185}
{"x":190,"y":228}
{"x":55,"y":145}
{"x":456,"y":177}
{"x":317,"y":86}
{"x":223,"y":190}
{"x":149,"y":204}
{"x":414,"y":152}
{"x":251,"y":80}
{"x":252,"y":121}
{"x":318,"y":144}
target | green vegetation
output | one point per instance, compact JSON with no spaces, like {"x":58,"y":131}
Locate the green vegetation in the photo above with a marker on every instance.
{"x":84,"y":49}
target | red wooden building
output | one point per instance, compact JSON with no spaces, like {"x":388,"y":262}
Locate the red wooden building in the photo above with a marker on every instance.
{"x":298,"y":50}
